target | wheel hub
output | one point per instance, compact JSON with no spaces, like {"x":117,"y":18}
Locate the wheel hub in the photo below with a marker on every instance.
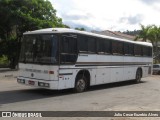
{"x":81,"y":84}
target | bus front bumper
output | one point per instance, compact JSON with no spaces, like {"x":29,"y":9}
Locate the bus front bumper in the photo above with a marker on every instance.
{"x":48,"y":84}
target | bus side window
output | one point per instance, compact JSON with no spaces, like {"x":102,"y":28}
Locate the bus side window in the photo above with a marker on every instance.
{"x":107,"y":44}
{"x":68,"y":49}
{"x":104,"y":46}
{"x":100,"y":46}
{"x":128,"y":49}
{"x":131,"y":49}
{"x":117,"y":47}
{"x":137,"y":50}
{"x":145,"y":51}
{"x":82,"y":43}
{"x":149,"y":52}
{"x":91,"y":45}
{"x":68,"y":45}
{"x":114,"y":47}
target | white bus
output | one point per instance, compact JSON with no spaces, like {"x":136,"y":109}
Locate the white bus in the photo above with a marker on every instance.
{"x":61,"y":58}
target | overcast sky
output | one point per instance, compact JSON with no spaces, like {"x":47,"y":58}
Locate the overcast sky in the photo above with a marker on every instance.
{"x":116,"y":15}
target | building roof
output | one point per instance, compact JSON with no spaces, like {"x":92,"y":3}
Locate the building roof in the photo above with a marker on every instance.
{"x":115,"y":34}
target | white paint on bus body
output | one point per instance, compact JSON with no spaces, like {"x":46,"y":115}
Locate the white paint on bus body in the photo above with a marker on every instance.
{"x":102,"y":68}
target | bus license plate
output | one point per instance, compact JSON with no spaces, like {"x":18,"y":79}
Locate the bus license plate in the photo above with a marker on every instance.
{"x":31,"y":82}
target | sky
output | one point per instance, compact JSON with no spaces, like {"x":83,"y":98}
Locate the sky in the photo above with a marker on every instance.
{"x":115,"y":15}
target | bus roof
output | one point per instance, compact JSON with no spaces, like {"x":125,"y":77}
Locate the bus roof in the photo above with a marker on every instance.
{"x":68,"y":30}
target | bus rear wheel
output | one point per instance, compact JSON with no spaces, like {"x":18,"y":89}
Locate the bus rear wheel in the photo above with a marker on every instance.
{"x":138,"y":76}
{"x":80,"y":84}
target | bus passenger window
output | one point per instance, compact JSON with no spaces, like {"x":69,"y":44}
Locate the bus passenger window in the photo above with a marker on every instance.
{"x":100,"y":46}
{"x":137,"y":50}
{"x":91,"y":45}
{"x":68,"y":49}
{"x":117,"y":47}
{"x":104,"y":46}
{"x":68,"y":45}
{"x":131,"y":49}
{"x":149,"y":52}
{"x":128,"y":49}
{"x":145,"y":51}
{"x":82,"y":43}
{"x":107,"y":44}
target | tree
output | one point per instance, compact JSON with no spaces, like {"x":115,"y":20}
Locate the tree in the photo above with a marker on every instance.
{"x":152,"y":34}
{"x":154,"y":37}
{"x":144,"y":32}
{"x":133,"y":33}
{"x":19,"y":16}
{"x":81,"y":29}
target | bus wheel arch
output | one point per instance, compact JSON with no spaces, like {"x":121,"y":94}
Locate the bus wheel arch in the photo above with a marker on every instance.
{"x":139,"y":74}
{"x":83,"y":78}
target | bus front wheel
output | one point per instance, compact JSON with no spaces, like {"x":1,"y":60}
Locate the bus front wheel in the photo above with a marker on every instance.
{"x":80,"y":84}
{"x":138,"y":76}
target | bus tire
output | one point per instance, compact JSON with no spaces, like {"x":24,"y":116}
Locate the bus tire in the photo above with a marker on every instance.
{"x":138,"y":76}
{"x":80,"y":84}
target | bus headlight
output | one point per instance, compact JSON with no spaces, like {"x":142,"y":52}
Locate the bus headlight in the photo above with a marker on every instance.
{"x":20,"y":80}
{"x":46,"y":85}
{"x":41,"y":84}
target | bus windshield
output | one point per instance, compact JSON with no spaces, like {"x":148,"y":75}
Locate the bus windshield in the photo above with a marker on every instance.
{"x":39,"y":49}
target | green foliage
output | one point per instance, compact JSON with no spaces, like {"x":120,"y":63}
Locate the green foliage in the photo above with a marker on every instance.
{"x":4,"y":61}
{"x":152,"y":34}
{"x":26,"y":15}
{"x":144,"y":32}
{"x":19,"y":16}
{"x":81,"y":29}
{"x":133,"y":33}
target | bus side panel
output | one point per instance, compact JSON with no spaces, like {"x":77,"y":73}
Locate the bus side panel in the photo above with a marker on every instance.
{"x":129,"y":72}
{"x":103,"y":75}
{"x":117,"y":74}
{"x":117,"y":68}
{"x":145,"y":71}
{"x":129,"y":68}
{"x":88,"y":62}
{"x":65,"y":78}
{"x":103,"y":72}
{"x":55,"y":69}
{"x":88,"y":59}
{"x":92,"y":72}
